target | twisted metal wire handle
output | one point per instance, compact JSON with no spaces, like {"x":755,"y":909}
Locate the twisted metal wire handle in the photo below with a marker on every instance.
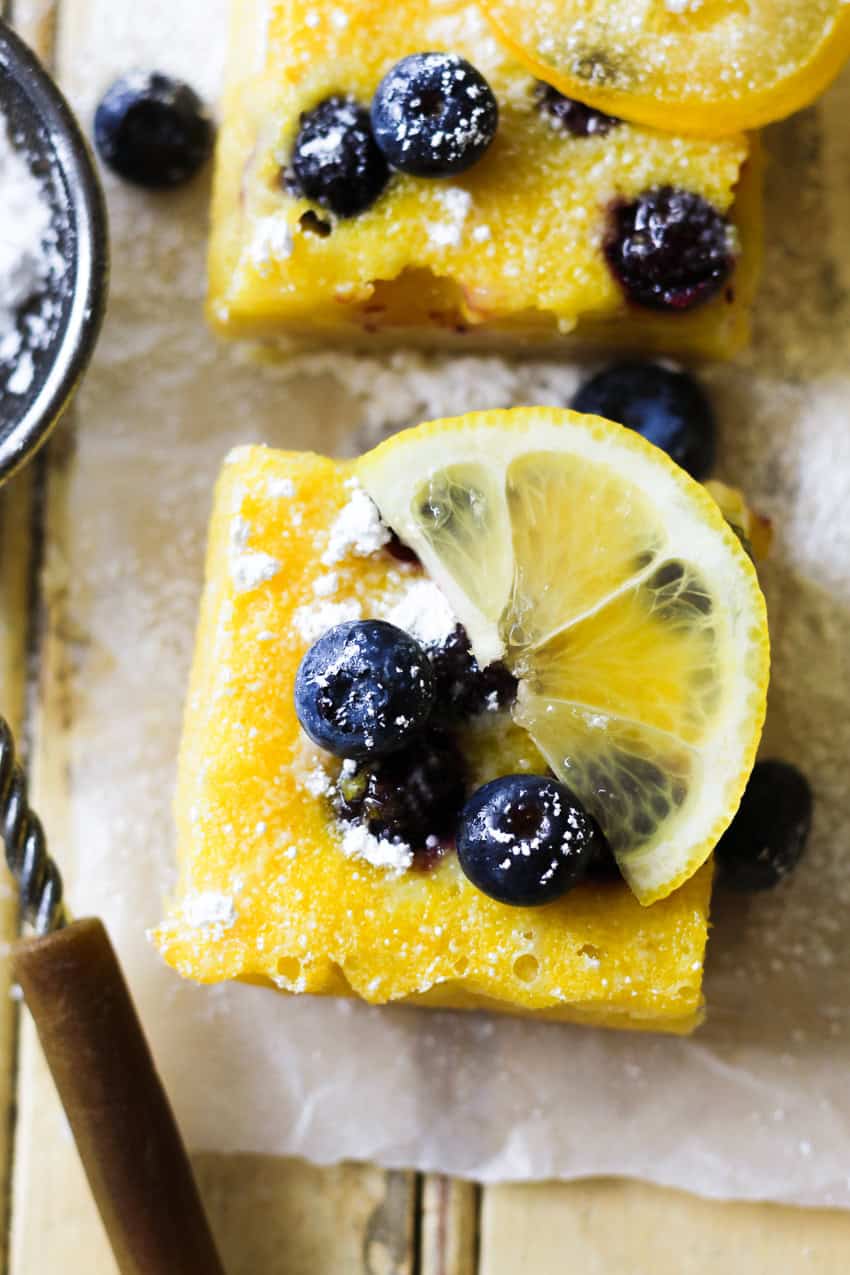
{"x":38,"y":878}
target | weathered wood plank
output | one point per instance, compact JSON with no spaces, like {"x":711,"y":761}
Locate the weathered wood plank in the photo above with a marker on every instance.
{"x":607,"y":1227}
{"x":35,"y":20}
{"x":282,"y":1217}
{"x":448,"y":1227}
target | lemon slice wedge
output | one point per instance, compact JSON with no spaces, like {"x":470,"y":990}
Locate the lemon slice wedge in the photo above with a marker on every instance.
{"x":618,"y":594}
{"x":708,"y":67}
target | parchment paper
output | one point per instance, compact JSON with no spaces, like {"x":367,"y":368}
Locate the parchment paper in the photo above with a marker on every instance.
{"x":757,"y":1105}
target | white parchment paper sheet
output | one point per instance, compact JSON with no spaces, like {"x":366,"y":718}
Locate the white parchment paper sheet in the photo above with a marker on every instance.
{"x":757,"y":1105}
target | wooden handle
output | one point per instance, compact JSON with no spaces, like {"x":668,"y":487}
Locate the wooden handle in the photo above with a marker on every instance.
{"x":121,"y":1119}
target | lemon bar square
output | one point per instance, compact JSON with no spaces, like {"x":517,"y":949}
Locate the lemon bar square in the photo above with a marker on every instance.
{"x":270,"y":893}
{"x":511,"y":252}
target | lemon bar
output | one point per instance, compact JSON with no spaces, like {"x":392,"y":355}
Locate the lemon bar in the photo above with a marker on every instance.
{"x":523,"y":247}
{"x":273,"y":890}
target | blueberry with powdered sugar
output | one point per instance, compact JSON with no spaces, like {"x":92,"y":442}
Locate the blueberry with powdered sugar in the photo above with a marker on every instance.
{"x":364,"y":689}
{"x":462,"y":689}
{"x":414,"y":796}
{"x":669,"y":249}
{"x":335,"y":160}
{"x":434,"y":115}
{"x":525,"y":840}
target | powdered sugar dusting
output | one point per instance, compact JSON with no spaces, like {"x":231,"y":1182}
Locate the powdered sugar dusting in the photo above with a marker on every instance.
{"x":272,"y":242}
{"x":313,"y":620}
{"x":249,"y":568}
{"x":357,"y":530}
{"x":281,"y":488}
{"x":424,"y":612}
{"x":209,"y":909}
{"x":457,"y":204}
{"x":359,"y":843}
{"x":316,"y":781}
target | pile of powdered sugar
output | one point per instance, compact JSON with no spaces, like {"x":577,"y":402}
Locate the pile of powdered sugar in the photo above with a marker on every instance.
{"x":28,"y":259}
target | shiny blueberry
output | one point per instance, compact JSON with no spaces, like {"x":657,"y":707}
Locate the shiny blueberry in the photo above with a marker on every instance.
{"x":335,"y":160}
{"x":414,"y":796}
{"x":462,"y":689}
{"x":670,"y":249}
{"x":524,"y":840}
{"x":668,"y":407}
{"x":434,"y":115}
{"x":152,"y":130}
{"x":365,"y":688}
{"x":766,"y":839}
{"x":569,"y":116}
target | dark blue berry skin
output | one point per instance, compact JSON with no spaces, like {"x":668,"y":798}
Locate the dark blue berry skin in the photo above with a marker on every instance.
{"x":524,"y":840}
{"x":434,"y":115}
{"x":364,"y":689}
{"x":601,"y":865}
{"x":335,"y":160}
{"x":152,"y":130}
{"x":414,"y":795}
{"x":462,"y":689}
{"x":569,"y":116}
{"x":766,"y":839}
{"x":668,"y":407}
{"x":669,"y":249}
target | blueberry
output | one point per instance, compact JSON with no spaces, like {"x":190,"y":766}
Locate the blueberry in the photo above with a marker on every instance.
{"x":670,"y":249}
{"x":462,"y":688}
{"x":336,"y":161}
{"x":569,"y":116}
{"x":401,"y":551}
{"x":601,"y":864}
{"x":365,"y":688}
{"x":524,"y":840}
{"x":434,"y":115}
{"x":668,"y":407}
{"x":766,"y":839}
{"x":414,"y":796}
{"x":152,"y":130}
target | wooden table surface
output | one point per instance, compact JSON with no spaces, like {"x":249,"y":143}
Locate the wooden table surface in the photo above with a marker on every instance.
{"x":277,"y":1216}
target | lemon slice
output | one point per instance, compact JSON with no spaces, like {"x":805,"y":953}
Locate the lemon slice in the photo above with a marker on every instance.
{"x":697,"y":66}
{"x":611,"y":583}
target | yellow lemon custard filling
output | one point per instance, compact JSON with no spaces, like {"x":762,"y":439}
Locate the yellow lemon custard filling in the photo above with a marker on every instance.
{"x":370,"y":190}
{"x":292,"y":872}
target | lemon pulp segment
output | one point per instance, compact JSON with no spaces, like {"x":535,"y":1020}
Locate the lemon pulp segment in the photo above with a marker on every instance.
{"x":611,"y":583}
